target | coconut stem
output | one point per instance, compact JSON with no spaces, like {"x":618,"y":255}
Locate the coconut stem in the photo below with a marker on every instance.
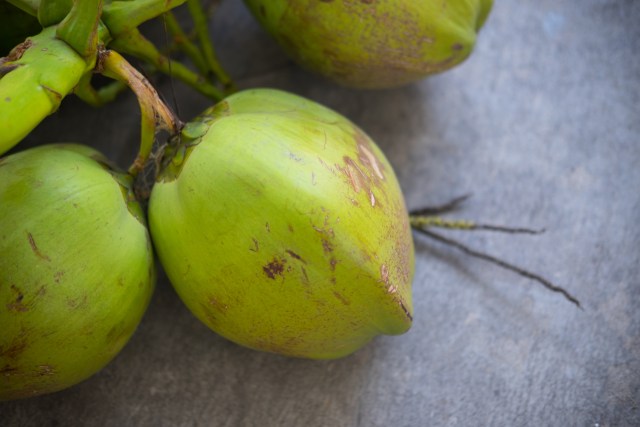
{"x":202,"y":30}
{"x":422,"y":219}
{"x":97,"y":97}
{"x":184,"y":43}
{"x":155,"y":114}
{"x":135,"y":44}
{"x":497,"y":261}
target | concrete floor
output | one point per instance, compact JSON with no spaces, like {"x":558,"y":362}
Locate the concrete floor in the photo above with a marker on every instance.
{"x":542,"y":126}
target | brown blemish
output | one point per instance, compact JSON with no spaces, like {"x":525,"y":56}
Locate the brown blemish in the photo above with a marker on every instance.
{"x":46,"y":370}
{"x":358,"y":179}
{"x":327,"y":247}
{"x":290,"y":227}
{"x":274,"y":268}
{"x":218,"y":305}
{"x":406,"y":312}
{"x":305,"y":278}
{"x":17,"y":305}
{"x":296,"y":256}
{"x":35,"y":249}
{"x":87,"y":330}
{"x":256,"y":246}
{"x":457,"y":46}
{"x":17,"y":52}
{"x":208,"y":314}
{"x":8,"y":370}
{"x":77,"y":302}
{"x":366,"y":155}
{"x":326,"y":166}
{"x":114,"y":332}
{"x":341,"y":298}
{"x":268,"y":227}
{"x":118,"y":335}
{"x":57,"y":277}
{"x":384,"y":273}
{"x":53,"y":92}
{"x":332,"y":263}
{"x":353,"y":173}
{"x":15,"y":349}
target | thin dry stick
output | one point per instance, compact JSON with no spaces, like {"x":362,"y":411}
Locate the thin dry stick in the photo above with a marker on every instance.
{"x":420,"y":221}
{"x":525,"y":273}
{"x":440,"y":209}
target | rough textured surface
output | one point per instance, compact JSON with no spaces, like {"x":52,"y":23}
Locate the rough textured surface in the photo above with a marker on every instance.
{"x":344,"y":40}
{"x":542,"y":125}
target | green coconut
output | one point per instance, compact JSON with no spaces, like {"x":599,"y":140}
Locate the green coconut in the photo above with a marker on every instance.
{"x":76,"y":267}
{"x":282,"y":227}
{"x":374,"y":43}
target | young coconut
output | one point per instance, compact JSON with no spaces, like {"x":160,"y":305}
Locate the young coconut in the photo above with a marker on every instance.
{"x":76,"y":267}
{"x":374,"y":43}
{"x":282,"y":227}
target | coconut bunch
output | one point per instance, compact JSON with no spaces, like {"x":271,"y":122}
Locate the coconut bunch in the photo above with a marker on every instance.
{"x":278,"y":221}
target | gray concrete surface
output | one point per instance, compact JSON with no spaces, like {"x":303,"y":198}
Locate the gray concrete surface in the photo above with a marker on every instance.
{"x":542,"y":125}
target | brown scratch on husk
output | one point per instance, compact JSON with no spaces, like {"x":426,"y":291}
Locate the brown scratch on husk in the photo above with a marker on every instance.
{"x":296,"y":256}
{"x":35,"y":249}
{"x":341,"y":298}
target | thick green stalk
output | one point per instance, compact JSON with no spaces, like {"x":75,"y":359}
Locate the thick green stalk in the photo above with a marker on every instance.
{"x":97,"y":97}
{"x":35,"y":77}
{"x":123,"y":16}
{"x":50,"y":12}
{"x":200,"y":21}
{"x":183,"y":42}
{"x":135,"y":44}
{"x":80,"y":27}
